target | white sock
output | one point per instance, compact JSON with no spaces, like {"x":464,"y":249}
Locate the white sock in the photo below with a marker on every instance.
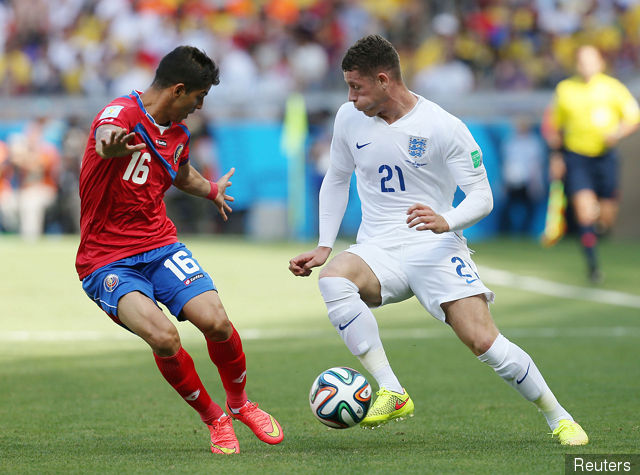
{"x":552,"y":410}
{"x":518,"y":370}
{"x":357,"y":326}
{"x":375,"y":362}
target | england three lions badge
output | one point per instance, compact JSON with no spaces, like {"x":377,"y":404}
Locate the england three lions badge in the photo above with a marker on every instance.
{"x":417,"y":150}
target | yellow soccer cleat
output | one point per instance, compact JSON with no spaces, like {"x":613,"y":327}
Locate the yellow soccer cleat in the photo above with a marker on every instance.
{"x":388,"y":406}
{"x":570,"y":433}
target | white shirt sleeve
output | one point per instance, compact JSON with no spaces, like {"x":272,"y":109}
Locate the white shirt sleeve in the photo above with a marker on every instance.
{"x":334,"y":196}
{"x":464,"y":160}
{"x":476,"y":205}
{"x":334,"y":192}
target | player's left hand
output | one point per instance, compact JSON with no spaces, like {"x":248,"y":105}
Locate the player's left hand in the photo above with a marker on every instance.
{"x":222,"y":198}
{"x":423,"y":218}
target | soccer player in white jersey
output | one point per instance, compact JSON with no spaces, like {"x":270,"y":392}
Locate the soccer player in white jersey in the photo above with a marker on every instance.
{"x":409,"y":155}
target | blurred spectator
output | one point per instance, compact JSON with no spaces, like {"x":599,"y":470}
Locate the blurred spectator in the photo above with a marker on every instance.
{"x":523,"y":159}
{"x":8,"y":198}
{"x":67,"y":205}
{"x":36,"y":164}
{"x":451,"y":76}
{"x":438,"y":69}
{"x":309,"y":61}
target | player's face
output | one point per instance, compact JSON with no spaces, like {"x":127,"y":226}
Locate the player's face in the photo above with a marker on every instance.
{"x":187,"y":103}
{"x":367,"y":93}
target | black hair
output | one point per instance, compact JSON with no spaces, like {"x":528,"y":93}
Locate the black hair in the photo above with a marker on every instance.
{"x":187,"y":65}
{"x":372,"y":54}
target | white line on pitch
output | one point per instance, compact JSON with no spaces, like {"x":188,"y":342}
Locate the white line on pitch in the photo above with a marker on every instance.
{"x":273,"y":334}
{"x":546,"y":287}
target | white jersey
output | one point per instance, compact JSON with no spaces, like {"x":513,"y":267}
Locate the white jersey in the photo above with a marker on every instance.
{"x":420,"y":158}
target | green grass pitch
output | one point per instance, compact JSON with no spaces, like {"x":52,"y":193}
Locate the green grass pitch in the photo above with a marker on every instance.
{"x":80,"y":395}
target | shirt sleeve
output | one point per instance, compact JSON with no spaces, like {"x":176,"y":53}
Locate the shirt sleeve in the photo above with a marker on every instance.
{"x":118,"y":114}
{"x":464,"y":157}
{"x":334,"y":192}
{"x":185,"y":155}
{"x":629,"y":108}
{"x":464,"y":160}
{"x":477,"y":204}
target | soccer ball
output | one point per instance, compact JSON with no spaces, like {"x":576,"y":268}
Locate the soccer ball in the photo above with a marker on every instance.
{"x":340,"y":397}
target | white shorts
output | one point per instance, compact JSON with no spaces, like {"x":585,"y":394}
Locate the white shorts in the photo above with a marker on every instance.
{"x":436,"y":271}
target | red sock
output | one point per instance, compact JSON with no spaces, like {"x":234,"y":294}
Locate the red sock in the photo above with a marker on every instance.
{"x":180,"y":372}
{"x":231,"y":363}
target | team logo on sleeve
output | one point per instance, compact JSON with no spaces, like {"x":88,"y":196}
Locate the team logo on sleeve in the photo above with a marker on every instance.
{"x":417,"y":149}
{"x":111,"y":282}
{"x":177,"y":153}
{"x":111,"y":111}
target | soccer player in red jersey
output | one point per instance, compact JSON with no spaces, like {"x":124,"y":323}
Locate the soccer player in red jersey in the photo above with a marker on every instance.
{"x":129,"y":255}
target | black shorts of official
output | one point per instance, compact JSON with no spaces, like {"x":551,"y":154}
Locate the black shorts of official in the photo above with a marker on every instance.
{"x":599,"y":174}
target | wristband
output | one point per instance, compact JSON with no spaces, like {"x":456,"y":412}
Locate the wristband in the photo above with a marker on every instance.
{"x":213,"y":192}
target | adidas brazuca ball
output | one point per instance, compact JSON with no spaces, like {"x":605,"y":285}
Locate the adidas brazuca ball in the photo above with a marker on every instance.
{"x":340,"y":397}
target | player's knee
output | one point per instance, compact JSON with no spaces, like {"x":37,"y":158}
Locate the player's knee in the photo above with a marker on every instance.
{"x":480,"y":344}
{"x":329,"y":271}
{"x":217,"y":329}
{"x":164,"y":341}
{"x":336,"y":288}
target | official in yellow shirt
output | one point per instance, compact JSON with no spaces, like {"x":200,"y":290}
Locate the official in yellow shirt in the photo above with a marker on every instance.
{"x":590,"y":113}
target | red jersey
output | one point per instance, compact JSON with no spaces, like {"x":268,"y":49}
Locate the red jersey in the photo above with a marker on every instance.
{"x":122,"y":210}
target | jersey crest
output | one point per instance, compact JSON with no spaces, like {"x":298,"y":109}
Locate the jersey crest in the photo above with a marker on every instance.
{"x":417,"y":149}
{"x":177,"y":153}
{"x":111,"y":282}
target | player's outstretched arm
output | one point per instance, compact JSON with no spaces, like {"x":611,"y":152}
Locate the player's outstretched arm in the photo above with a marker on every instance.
{"x":191,"y":181}
{"x":113,"y":141}
{"x":221,"y":197}
{"x":301,"y":265}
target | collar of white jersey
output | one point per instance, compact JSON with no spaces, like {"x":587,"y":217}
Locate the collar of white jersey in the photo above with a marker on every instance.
{"x":161,"y":128}
{"x":408,"y":114}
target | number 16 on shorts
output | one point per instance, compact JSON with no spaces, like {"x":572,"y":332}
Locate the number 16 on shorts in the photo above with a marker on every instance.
{"x":182,"y":266}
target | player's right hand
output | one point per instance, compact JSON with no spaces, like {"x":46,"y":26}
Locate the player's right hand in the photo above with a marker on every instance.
{"x":301,"y":265}
{"x":112,"y":141}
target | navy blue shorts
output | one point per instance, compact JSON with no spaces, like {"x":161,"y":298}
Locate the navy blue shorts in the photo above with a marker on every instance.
{"x":168,"y":274}
{"x":599,"y":174}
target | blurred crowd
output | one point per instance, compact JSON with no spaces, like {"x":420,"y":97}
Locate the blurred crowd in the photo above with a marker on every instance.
{"x":40,"y":174}
{"x":107,"y":47}
{"x":39,"y":171}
